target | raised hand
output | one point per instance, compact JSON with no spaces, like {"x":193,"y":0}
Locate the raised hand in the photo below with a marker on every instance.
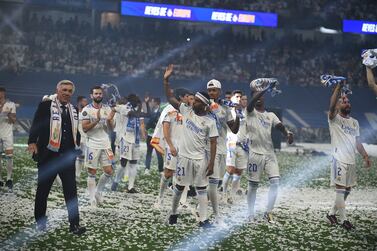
{"x":168,"y":71}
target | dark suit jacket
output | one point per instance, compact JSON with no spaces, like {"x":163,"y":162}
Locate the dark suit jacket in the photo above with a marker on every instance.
{"x":40,"y":132}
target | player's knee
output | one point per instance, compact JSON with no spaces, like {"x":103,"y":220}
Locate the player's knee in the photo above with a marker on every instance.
{"x":92,"y":171}
{"x":91,"y":175}
{"x":108,"y":170}
{"x":179,"y":188}
{"x":168,"y":173}
{"x":8,"y":156}
{"x":274,"y":182}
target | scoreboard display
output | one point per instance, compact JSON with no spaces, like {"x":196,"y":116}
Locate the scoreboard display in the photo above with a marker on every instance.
{"x":195,"y":14}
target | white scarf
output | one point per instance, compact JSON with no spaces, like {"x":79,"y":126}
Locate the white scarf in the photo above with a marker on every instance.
{"x":56,"y":124}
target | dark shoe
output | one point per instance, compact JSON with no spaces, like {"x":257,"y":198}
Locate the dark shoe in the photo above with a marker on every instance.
{"x":132,"y":190}
{"x":332,"y":218}
{"x":173,"y":219}
{"x":114,"y":186}
{"x":268,"y":217}
{"x":347,"y":225}
{"x":9,"y":184}
{"x":1,"y":183}
{"x":205,"y":224}
{"x":77,"y":229}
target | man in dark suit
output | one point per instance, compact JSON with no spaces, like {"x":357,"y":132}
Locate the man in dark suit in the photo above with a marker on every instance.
{"x":53,"y":141}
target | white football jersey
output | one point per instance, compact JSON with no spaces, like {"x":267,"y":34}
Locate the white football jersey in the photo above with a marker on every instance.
{"x":128,"y":128}
{"x":175,"y":119}
{"x":98,"y":136}
{"x":223,"y":115}
{"x":343,"y":132}
{"x":6,"y":127}
{"x":196,"y":131}
{"x":259,"y":125}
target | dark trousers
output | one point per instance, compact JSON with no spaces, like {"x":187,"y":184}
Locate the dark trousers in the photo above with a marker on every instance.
{"x":148,"y":157}
{"x":64,"y":166}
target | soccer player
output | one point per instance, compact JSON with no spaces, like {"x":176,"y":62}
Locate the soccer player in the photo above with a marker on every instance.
{"x":237,"y":150}
{"x":81,"y":103}
{"x":172,"y":131}
{"x":191,"y":99}
{"x":192,"y":167}
{"x":261,"y":153}
{"x":371,"y":80}
{"x":344,"y":133}
{"x":7,"y":120}
{"x":129,"y":144}
{"x":97,"y":121}
{"x":224,"y":120}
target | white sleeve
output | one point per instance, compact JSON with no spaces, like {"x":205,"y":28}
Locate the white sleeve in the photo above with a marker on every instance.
{"x":212,"y":129}
{"x":85,"y":114}
{"x":229,"y":115}
{"x":357,"y":128}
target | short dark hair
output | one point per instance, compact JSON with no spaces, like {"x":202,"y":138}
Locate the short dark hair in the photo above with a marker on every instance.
{"x":179,"y":93}
{"x":96,"y":87}
{"x":228,"y":93}
{"x":237,"y":91}
{"x":133,"y":99}
{"x":79,"y":98}
{"x":2,"y":89}
{"x":157,"y":100}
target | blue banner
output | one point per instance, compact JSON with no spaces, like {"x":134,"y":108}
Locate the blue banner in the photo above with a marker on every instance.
{"x":360,"y":26}
{"x":195,"y":14}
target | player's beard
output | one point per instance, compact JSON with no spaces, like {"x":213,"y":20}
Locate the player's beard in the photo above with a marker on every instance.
{"x":97,"y":100}
{"x":346,"y":111}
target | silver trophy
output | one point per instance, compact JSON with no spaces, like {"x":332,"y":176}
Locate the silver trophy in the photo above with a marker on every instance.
{"x":369,"y":58}
{"x":111,"y":94}
{"x":262,"y":84}
{"x":330,"y":80}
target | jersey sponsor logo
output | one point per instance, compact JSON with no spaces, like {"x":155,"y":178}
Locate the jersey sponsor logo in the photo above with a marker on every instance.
{"x":191,"y":125}
{"x":348,"y":130}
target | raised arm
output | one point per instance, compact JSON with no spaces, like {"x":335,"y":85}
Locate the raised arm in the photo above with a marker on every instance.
{"x":168,"y":91}
{"x":333,"y":100}
{"x":255,"y":98}
{"x":371,"y":80}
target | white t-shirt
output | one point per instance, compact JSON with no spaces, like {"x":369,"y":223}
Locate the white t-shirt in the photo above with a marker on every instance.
{"x":343,"y":132}
{"x":175,"y":119}
{"x":98,"y":136}
{"x":82,"y":133}
{"x":6,"y":127}
{"x":196,"y":131}
{"x":223,"y":115}
{"x":259,"y":125}
{"x":127,"y":129}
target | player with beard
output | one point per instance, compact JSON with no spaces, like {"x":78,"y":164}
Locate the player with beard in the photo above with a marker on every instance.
{"x":345,"y":140}
{"x":97,"y":121}
{"x":224,"y":120}
{"x":193,"y":167}
{"x":129,"y":143}
{"x":261,"y":153}
{"x":81,"y":103}
{"x":237,"y":149}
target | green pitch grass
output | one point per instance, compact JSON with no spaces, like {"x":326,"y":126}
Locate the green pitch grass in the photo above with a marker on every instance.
{"x":130,"y":222}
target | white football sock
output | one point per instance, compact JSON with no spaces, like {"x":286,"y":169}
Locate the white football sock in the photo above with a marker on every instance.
{"x":203,"y":204}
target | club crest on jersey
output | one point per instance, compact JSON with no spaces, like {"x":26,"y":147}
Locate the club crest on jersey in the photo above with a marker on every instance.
{"x":84,"y":113}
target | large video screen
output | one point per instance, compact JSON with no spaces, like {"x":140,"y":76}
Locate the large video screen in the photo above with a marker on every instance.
{"x":195,"y":14}
{"x":360,"y":26}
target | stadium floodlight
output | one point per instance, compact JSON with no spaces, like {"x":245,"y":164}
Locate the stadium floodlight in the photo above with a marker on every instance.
{"x":328,"y":31}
